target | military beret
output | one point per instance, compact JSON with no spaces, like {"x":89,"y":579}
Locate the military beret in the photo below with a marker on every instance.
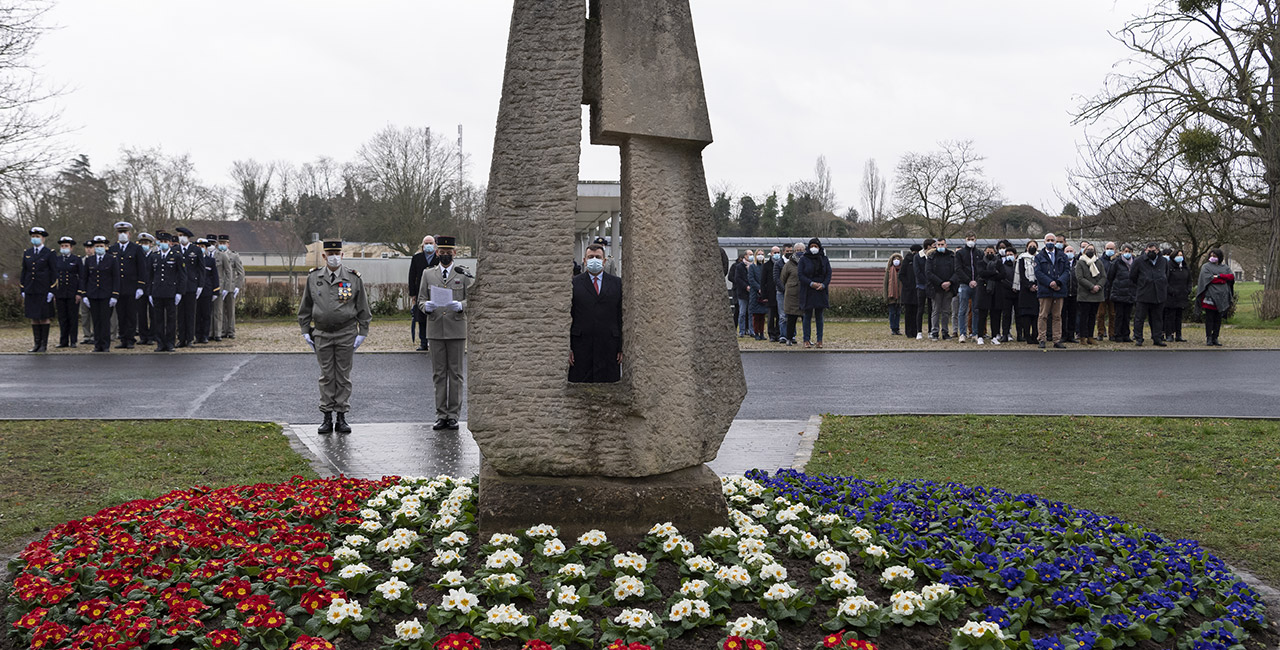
{"x":182,"y":230}
{"x":124,"y":225}
{"x":37,"y":230}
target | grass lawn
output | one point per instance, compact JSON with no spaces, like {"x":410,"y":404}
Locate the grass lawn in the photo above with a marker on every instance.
{"x":52,"y":471}
{"x":1214,"y":480}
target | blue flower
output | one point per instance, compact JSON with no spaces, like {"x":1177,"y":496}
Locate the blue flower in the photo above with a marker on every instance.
{"x":1011,"y":577}
{"x":956,"y":580}
{"x":1070,"y":598}
{"x":1047,"y":643}
{"x":1084,"y":638}
{"x":1118,"y":621}
{"x":996,"y":615}
{"x":1048,"y":573}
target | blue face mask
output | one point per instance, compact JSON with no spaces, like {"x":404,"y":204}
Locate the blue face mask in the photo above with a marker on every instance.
{"x":1179,"y":259}
{"x":146,"y":248}
{"x":100,"y":250}
{"x":222,"y":247}
{"x":37,"y":241}
{"x":777,"y":257}
{"x":1059,"y":245}
{"x":1071,"y":256}
{"x":1128,"y":256}
{"x":1109,"y":253}
{"x":595,"y":265}
{"x":428,"y":248}
{"x":942,"y":249}
{"x":164,"y":248}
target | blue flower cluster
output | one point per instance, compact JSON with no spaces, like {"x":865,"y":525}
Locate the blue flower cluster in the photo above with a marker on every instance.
{"x":1048,"y":560}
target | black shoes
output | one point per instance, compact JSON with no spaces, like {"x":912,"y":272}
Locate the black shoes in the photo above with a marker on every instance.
{"x":341,"y":425}
{"x":215,"y":339}
{"x":442,"y":423}
{"x":1138,"y":343}
{"x":1060,"y":345}
{"x":182,"y":344}
{"x":1042,"y":346}
{"x":422,"y":347}
{"x":326,"y":427}
{"x":1161,"y":344}
{"x":451,"y":424}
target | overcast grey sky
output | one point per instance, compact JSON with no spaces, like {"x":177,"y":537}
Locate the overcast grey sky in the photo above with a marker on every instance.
{"x":786,"y":81}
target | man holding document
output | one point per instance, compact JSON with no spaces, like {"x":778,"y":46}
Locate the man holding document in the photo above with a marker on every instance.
{"x":442,"y":297}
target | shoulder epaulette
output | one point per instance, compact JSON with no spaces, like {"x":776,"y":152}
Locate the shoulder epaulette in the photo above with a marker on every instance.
{"x":463,"y":270}
{"x":313,"y":270}
{"x":356,"y":272}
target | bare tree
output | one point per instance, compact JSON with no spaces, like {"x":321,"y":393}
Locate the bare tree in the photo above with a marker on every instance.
{"x":1202,"y":74}
{"x":163,"y":191}
{"x":946,"y":188}
{"x":874,"y":192}
{"x":26,"y":125}
{"x":819,"y":188}
{"x":410,"y":172}
{"x":253,"y":186}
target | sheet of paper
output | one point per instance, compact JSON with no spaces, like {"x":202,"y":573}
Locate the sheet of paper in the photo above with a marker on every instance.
{"x":441,"y":296}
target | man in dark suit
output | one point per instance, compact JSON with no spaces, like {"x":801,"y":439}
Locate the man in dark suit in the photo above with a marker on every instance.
{"x":168,"y":281}
{"x":1150,"y":278}
{"x":100,"y":289}
{"x":422,"y":260}
{"x":143,"y":309}
{"x":130,"y":263}
{"x":595,"y":337}
{"x":208,"y":289}
{"x":65,"y":293}
{"x":193,"y":269}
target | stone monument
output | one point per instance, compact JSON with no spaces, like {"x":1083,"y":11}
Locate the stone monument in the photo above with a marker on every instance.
{"x":616,"y":456}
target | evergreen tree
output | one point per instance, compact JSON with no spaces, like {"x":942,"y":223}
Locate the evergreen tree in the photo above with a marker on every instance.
{"x":769,"y":216}
{"x":720,"y":215}
{"x":748,"y":217}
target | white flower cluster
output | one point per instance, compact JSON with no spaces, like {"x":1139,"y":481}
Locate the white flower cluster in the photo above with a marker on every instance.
{"x":936,"y":592}
{"x":346,"y":554}
{"x":401,"y":565}
{"x":722,"y":532}
{"x":701,"y":563}
{"x":452,"y":579}
{"x":626,"y":586}
{"x":747,"y":626}
{"x":905,"y":603}
{"x":637,"y":619}
{"x":503,"y":540}
{"x":400,"y":540}
{"x":750,"y":546}
{"x":507,"y":615}
{"x":841,"y":582}
{"x":341,"y":609}
{"x":503,"y":558}
{"x":541,"y":531}
{"x":810,"y":541}
{"x":457,"y":538}
{"x":410,"y":630}
{"x":629,"y":560}
{"x":897,"y":574}
{"x":979,"y":630}
{"x":677,"y":542}
{"x":459,"y":600}
{"x":734,"y":576}
{"x":834,"y":560}
{"x":854,"y":606}
{"x":355,"y":541}
{"x":353,"y":570}
{"x":446,"y":558}
{"x":567,"y":595}
{"x":563,"y":620}
{"x":781,"y":591}
{"x":773,"y":573}
{"x":689,"y":609}
{"x":501,"y":580}
{"x":370,"y":526}
{"x":573,"y":571}
{"x":593,"y":538}
{"x":553,"y":547}
{"x":663,"y":530}
{"x":393,"y":589}
{"x":876,"y":551}
{"x":695,"y":588}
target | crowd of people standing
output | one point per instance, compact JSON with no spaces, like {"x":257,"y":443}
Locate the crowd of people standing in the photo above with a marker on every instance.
{"x":775,"y":290}
{"x":1053,"y":292}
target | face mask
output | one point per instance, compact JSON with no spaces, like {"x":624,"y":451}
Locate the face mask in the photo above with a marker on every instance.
{"x":100,"y":250}
{"x":759,"y":259}
{"x":1048,"y":245}
{"x":970,"y":243}
{"x":1179,"y":259}
{"x":334,"y":260}
{"x":222,"y":247}
{"x":446,"y":259}
{"x":1071,"y":255}
{"x":991,"y":256}
{"x":813,"y":250}
{"x":1010,"y":258}
{"x":1090,"y":253}
{"x":164,"y":247}
{"x":1152,"y":255}
{"x":146,"y":248}
{"x":777,"y":257}
{"x":1110,"y":253}
{"x":1127,"y":256}
{"x":37,"y":241}
{"x":1032,"y":250}
{"x":65,"y":251}
{"x":123,"y":237}
{"x":1000,"y":252}
{"x":428,"y":248}
{"x":1213,"y":260}
{"x":1060,"y":245}
{"x":897,"y":262}
{"x":942,"y":249}
{"x":595,"y":265}
{"x":182,"y":239}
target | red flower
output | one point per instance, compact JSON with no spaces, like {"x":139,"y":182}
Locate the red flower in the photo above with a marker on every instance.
{"x":96,"y":636}
{"x":94,"y":609}
{"x":458,"y":640}
{"x":55,"y":595}
{"x":271,"y":619}
{"x":256,"y":604}
{"x":187,"y":608}
{"x":862,"y":645}
{"x":32,"y":618}
{"x":305,"y":642}
{"x":219,"y":638}
{"x":235,"y":588}
{"x":734,"y":643}
{"x":833,"y":640}
{"x":618,"y":644}
{"x":49,"y":634}
{"x":536,"y":644}
{"x":755,"y":644}
{"x":638,"y":646}
{"x":323,"y":562}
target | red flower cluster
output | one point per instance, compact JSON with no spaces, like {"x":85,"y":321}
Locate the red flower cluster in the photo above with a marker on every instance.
{"x":124,"y":574}
{"x":458,"y":640}
{"x":536,"y":644}
{"x":740,"y":643}
{"x":841,"y":640}
{"x":619,"y":644}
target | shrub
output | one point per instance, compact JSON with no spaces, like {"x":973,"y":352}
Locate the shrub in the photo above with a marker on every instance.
{"x":10,"y":303}
{"x":268,"y":300}
{"x":1268,"y":304}
{"x":386,"y":299}
{"x":857,"y":303}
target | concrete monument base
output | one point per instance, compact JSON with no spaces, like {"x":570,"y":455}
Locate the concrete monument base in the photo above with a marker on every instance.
{"x":624,"y":508}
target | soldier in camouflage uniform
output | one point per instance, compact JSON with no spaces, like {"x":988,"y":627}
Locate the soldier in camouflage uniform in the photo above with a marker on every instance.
{"x":334,"y":316}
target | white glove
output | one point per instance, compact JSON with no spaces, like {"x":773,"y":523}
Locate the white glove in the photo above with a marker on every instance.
{"x":151,"y":300}
{"x":428,"y":307}
{"x":224,"y":293}
{"x":137,"y":293}
{"x":49,"y":298}
{"x":112,"y":302}
{"x":177,"y":299}
{"x":199,"y":290}
{"x":86,"y":301}
{"x":22,"y":294}
{"x":236,"y":293}
{"x":455,"y":305}
{"x":307,"y":338}
{"x":359,"y":340}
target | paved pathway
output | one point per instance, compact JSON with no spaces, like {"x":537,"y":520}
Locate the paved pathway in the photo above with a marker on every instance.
{"x":782,"y":386}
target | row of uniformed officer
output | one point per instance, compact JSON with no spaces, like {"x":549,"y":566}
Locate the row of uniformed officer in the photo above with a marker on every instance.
{"x":334,"y":316}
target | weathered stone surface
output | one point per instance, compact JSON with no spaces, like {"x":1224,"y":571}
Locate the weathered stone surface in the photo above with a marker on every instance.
{"x":625,"y":508}
{"x":682,"y":381}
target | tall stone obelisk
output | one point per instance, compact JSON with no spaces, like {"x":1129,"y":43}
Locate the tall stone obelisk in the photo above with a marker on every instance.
{"x":616,"y":456}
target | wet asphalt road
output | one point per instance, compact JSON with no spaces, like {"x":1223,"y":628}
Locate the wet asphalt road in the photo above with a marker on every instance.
{"x":396,"y":387}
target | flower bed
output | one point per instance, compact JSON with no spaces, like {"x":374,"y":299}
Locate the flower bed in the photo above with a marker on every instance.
{"x":808,"y":562}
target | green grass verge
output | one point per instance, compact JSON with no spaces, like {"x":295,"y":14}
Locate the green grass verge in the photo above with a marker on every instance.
{"x":1214,"y":480}
{"x":53,"y":471}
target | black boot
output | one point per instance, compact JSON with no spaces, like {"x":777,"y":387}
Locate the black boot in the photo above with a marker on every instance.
{"x":44,"y":337}
{"x":35,"y":338}
{"x":326,"y":427}
{"x":341,"y":425}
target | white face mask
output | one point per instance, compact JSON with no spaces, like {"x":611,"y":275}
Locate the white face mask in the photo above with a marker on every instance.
{"x":970,"y":243}
{"x":595,"y":265}
{"x":760,"y":259}
{"x":814,"y":250}
{"x":123,"y":237}
{"x":897,"y":262}
{"x":334,"y":260}
{"x":65,"y":251}
{"x":100,"y":250}
{"x":182,"y":239}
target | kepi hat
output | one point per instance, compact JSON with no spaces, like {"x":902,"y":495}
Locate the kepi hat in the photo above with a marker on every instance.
{"x":37,"y":230}
{"x":66,"y":240}
{"x":446,"y":241}
{"x":332,"y":245}
{"x":145,"y":237}
{"x":124,"y":225}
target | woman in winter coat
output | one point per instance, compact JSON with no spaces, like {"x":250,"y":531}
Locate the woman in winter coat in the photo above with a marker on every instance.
{"x":1091,"y":289}
{"x":815,"y":285}
{"x":986,"y":296}
{"x":907,"y":294}
{"x":1123,"y":294}
{"x":790,"y":282}
{"x":757,"y":301}
{"x":1005,"y":296}
{"x":893,"y":292}
{"x":1179,"y":288}
{"x":1024,"y":283}
{"x":1215,"y":293}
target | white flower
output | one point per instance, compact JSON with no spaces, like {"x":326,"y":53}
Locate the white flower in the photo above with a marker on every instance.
{"x":401,"y":565}
{"x":406,"y":512}
{"x":701,"y":609}
{"x":722,"y":532}
{"x":907,"y":597}
{"x":506,"y":615}
{"x":663,"y":530}
{"x":503,"y":558}
{"x":370,"y":513}
{"x":635,"y":618}
{"x":738,"y":498}
{"x":553,"y":547}
{"x":569,"y":596}
{"x":828,"y":519}
{"x":680,"y":610}
{"x":346,"y":554}
{"x":392,"y":589}
{"x":593,"y":538}
{"x":734,"y":576}
{"x":810,"y":541}
{"x":877,"y":551}
{"x":854,"y":606}
{"x":355,"y":541}
{"x":336,"y":615}
{"x":788,"y":530}
{"x":781,"y":591}
{"x":749,"y":545}
{"x":937,"y":591}
{"x":377,"y":502}
{"x":452,"y":578}
{"x":785,"y":516}
{"x":354,"y":611}
{"x":446,"y":558}
{"x":978,"y":630}
{"x":573,"y":570}
{"x":773,"y":572}
{"x":457,"y":538}
{"x":759,"y":510}
{"x":861,"y":534}
{"x":834,"y":560}
{"x":459,"y":600}
{"x":675,"y":541}
{"x":904,"y":608}
{"x":392,"y":545}
{"x":540,"y":531}
{"x":701,"y":563}
{"x":353,"y":570}
{"x":841,"y":582}
{"x":753,"y":530}
{"x":757,"y":559}
{"x":444,"y":522}
{"x":744,"y":625}
{"x":753,"y":488}
{"x":370,"y":526}
{"x":728,"y":488}
{"x":563,"y":619}
{"x":503,"y":539}
{"x":501,"y":580}
{"x":626,"y":586}
{"x":897,"y":574}
{"x":697,"y":588}
{"x":630,"y":560}
{"x":410,"y":630}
